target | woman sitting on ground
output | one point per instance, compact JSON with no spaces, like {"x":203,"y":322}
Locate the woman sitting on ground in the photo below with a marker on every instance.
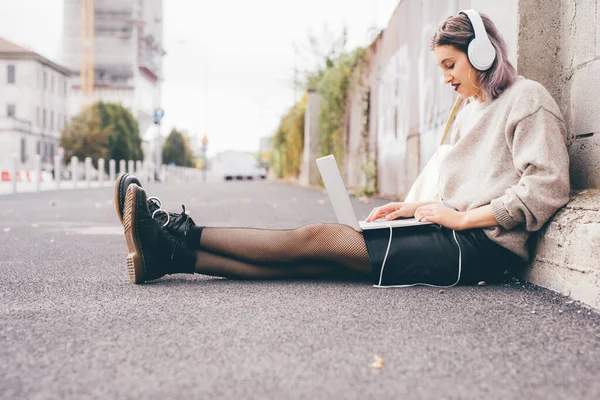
{"x":506,"y":174}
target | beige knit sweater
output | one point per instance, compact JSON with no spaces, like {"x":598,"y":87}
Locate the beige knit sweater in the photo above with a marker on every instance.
{"x":511,"y":153}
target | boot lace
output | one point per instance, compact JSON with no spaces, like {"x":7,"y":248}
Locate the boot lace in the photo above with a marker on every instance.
{"x":177,"y":220}
{"x":183,"y":220}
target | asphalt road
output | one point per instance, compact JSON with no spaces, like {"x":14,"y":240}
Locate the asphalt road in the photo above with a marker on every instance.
{"x":72,"y":326}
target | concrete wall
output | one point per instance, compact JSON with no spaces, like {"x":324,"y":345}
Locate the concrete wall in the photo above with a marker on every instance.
{"x":559,"y":46}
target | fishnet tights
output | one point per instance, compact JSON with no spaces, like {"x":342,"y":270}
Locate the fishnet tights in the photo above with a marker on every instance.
{"x":318,"y":250}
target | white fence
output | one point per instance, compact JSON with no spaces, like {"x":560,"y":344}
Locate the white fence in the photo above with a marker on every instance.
{"x":83,"y":175}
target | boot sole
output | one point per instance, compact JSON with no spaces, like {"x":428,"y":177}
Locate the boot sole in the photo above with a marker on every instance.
{"x":135,"y":260}
{"x":118,"y":195}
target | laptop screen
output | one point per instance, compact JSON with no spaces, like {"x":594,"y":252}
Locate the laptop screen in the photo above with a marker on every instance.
{"x":338,"y":195}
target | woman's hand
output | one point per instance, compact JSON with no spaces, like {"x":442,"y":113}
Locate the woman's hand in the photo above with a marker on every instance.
{"x":392,"y":211}
{"x":439,"y":214}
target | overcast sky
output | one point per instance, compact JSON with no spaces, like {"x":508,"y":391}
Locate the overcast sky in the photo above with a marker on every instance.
{"x":229,"y":68}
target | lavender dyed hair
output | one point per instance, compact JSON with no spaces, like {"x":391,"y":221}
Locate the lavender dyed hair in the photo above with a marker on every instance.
{"x":457,"y":31}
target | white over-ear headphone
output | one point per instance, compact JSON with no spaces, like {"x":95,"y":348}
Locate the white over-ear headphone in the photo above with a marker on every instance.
{"x":481,"y":52}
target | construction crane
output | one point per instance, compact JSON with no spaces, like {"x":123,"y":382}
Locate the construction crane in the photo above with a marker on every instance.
{"x":87,"y":42}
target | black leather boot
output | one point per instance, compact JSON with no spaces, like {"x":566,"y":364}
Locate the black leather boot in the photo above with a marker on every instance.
{"x":121,"y":185}
{"x":153,"y":251}
{"x":176,"y":224}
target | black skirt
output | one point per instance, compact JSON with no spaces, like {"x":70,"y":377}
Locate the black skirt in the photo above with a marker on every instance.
{"x":434,"y":255}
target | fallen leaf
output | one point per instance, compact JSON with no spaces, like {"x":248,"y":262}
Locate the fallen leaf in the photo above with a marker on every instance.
{"x":481,"y":283}
{"x":378,"y":363}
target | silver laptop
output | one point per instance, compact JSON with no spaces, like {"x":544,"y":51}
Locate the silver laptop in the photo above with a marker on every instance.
{"x":342,"y":206}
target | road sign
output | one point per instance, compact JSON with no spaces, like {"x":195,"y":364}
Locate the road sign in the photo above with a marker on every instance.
{"x":158,"y":114}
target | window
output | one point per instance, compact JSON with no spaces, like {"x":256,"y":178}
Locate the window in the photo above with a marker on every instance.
{"x":52,"y":84}
{"x":38,"y":148}
{"x":45,"y":80}
{"x":51,"y":120}
{"x":37,"y":116}
{"x":23,"y":150}
{"x":10,"y":76}
{"x":11,"y":110}
{"x":44,"y":119}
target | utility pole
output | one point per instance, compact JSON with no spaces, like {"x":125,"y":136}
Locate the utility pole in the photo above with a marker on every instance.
{"x":204,"y":160}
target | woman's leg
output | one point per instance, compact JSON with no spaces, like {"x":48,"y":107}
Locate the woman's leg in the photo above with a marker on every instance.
{"x":290,"y":247}
{"x":217,"y":265}
{"x":314,"y":251}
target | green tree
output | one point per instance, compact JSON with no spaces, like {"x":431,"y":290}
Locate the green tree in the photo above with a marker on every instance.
{"x":177,"y":150}
{"x":125,"y":142}
{"x":103,"y":130}
{"x":85,"y":136}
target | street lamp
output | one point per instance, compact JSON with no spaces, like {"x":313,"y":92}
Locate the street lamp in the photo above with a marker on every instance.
{"x":157,"y":115}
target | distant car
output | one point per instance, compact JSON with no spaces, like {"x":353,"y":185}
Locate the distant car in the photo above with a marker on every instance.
{"x":239,"y":166}
{"x":245,"y":173}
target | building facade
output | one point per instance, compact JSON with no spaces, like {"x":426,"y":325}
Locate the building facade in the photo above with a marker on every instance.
{"x":33,"y":105}
{"x":127,"y":55}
